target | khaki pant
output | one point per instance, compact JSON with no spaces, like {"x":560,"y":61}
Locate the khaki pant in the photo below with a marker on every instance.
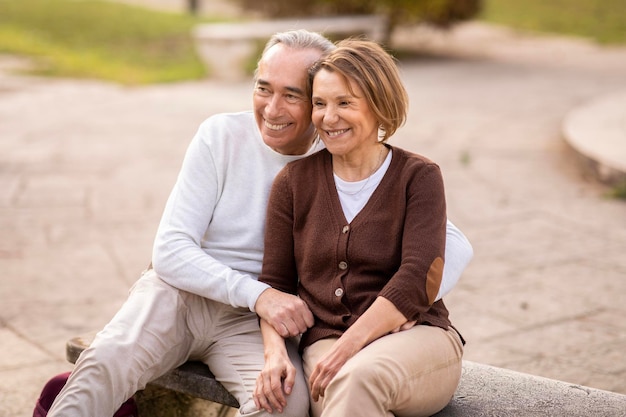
{"x":158,"y":329}
{"x":410,"y":373}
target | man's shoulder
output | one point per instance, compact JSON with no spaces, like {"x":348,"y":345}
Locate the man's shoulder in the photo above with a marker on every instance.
{"x":240,"y":120}
{"x":229,"y":130}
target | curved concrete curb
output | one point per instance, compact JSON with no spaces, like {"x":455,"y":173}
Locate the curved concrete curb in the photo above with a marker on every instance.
{"x":597,"y":133}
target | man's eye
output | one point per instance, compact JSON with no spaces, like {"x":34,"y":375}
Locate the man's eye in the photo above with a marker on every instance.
{"x":291,"y":98}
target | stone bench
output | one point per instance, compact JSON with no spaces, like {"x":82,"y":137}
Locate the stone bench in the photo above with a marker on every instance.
{"x":484,"y":391}
{"x":189,"y":390}
{"x":490,"y":391}
{"x":228,"y":48}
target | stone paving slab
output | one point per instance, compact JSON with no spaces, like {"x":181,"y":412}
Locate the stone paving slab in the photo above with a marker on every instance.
{"x":85,"y":168}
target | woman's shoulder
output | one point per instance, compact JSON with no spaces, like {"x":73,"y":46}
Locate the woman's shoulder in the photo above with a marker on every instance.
{"x":405,"y":158}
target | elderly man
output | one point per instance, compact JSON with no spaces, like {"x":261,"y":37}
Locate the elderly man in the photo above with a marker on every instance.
{"x":201,"y":299}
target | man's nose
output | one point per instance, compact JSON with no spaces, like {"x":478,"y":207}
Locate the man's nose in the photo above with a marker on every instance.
{"x":274,"y":105}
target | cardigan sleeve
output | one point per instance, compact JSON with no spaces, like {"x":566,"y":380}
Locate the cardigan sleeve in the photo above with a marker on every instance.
{"x":279,"y":265}
{"x":414,"y":286}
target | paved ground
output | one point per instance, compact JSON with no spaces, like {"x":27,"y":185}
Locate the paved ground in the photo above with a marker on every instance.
{"x":85,"y":169}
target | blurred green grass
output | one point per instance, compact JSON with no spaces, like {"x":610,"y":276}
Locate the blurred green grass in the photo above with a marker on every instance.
{"x":99,"y":39}
{"x":603,"y":21}
{"x":134,"y":45}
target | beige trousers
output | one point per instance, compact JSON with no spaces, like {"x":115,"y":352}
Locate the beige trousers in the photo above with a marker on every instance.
{"x":159,"y":328}
{"x":410,"y":373}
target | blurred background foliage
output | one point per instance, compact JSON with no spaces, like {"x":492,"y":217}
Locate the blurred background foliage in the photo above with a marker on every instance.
{"x":100,"y":39}
{"x":602,"y":21}
{"x":134,"y":45}
{"x":441,"y":13}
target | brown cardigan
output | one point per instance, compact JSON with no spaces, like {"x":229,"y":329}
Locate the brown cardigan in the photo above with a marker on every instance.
{"x":393,"y":248}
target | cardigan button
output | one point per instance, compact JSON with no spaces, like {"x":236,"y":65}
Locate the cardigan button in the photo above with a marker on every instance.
{"x":345,"y":229}
{"x":343,"y":265}
{"x":339,"y":292}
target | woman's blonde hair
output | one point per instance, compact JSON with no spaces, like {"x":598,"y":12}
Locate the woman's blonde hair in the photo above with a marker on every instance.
{"x":376,"y":73}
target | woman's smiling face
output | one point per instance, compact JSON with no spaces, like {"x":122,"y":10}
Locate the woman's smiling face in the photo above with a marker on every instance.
{"x":341,"y":114}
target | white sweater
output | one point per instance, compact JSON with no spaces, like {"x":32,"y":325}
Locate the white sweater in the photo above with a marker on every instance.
{"x":210,"y":239}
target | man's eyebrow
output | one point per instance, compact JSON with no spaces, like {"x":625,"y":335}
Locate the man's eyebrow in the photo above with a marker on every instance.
{"x":295,"y":90}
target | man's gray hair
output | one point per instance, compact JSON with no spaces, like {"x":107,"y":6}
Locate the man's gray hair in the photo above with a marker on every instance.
{"x":298,"y":39}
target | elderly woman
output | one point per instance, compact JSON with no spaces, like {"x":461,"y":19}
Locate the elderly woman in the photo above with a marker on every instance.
{"x":358,"y":232}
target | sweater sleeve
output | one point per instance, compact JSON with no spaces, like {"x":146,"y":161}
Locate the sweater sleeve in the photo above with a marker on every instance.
{"x":279,"y":265}
{"x":178,"y":257}
{"x":414,"y":287}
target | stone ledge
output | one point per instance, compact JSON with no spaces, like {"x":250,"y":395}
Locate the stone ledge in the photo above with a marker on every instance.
{"x":484,"y":391}
{"x":489,"y":391}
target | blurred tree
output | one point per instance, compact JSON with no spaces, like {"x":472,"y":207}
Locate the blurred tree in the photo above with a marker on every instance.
{"x":442,"y":13}
{"x":192,"y":6}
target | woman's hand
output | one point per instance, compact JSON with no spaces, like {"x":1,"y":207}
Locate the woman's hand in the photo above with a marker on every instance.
{"x":330,"y":364}
{"x":406,"y":326}
{"x":380,"y":319}
{"x":274,"y":383}
{"x":278,"y":376}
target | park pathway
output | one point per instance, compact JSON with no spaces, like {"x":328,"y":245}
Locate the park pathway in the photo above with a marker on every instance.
{"x":85,"y":168}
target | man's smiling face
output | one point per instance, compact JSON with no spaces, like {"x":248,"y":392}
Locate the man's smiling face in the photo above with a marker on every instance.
{"x":282,"y":106}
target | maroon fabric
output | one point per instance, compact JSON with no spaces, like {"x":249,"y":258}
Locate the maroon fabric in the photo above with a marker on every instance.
{"x":56,"y":384}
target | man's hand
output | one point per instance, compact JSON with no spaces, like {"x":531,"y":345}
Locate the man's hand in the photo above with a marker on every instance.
{"x":286,"y":313}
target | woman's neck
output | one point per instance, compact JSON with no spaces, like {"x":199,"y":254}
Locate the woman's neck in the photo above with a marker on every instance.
{"x":357,"y":168}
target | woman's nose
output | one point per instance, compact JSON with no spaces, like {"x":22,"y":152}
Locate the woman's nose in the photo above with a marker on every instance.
{"x":330,"y":115}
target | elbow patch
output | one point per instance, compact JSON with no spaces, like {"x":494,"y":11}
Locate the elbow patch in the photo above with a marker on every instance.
{"x":433,"y":279}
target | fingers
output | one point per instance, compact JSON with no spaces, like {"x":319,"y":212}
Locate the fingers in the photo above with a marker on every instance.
{"x":290,"y":380}
{"x":287,"y":313}
{"x":296,"y":317}
{"x":294,"y":325}
{"x":319,"y":380}
{"x":317,"y":386}
{"x":406,"y":326}
{"x":274,"y":383}
{"x":328,"y":366}
{"x":268,"y":394}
